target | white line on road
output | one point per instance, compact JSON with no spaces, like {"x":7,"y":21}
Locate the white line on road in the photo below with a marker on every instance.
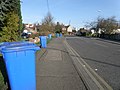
{"x":119,"y":50}
{"x":87,"y":41}
{"x":101,"y":45}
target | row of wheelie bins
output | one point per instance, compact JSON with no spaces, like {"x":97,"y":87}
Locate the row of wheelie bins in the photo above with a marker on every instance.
{"x":58,"y":35}
{"x":19,"y":58}
{"x":43,"y":39}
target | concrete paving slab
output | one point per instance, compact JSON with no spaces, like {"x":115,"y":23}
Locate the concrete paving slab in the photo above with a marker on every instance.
{"x":56,"y":70}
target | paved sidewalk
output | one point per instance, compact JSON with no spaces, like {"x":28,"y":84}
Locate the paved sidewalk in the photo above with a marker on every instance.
{"x":55,"y":71}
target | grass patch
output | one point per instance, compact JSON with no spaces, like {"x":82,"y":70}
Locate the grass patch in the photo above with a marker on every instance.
{"x":53,"y":36}
{"x":0,"y":55}
{"x":26,"y":39}
{"x":48,"y":40}
{"x":38,"y":43}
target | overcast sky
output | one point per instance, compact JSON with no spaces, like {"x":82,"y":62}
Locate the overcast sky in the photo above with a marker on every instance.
{"x":77,"y":12}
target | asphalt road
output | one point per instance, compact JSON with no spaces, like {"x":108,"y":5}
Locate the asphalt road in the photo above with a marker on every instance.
{"x":103,"y":57}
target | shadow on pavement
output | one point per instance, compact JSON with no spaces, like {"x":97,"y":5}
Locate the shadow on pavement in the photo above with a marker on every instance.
{"x":101,"y":62}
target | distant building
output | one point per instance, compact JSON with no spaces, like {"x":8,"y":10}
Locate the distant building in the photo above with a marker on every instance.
{"x":67,"y":29}
{"x":30,"y":28}
{"x":93,"y":31}
{"x":116,"y":31}
{"x":64,"y":29}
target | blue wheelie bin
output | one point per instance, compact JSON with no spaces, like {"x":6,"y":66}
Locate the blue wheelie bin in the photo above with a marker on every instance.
{"x":60,"y":34}
{"x":57,"y":35}
{"x":50,"y":36}
{"x":4,"y":43}
{"x":20,"y":65}
{"x":43,"y":41}
{"x":21,"y":43}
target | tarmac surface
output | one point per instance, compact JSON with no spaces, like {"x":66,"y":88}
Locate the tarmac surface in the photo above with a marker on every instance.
{"x":103,"y":56}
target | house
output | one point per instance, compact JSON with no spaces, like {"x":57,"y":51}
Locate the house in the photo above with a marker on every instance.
{"x":30,"y":28}
{"x":93,"y":31}
{"x":67,"y":29}
{"x":64,"y":29}
{"x":116,"y":31}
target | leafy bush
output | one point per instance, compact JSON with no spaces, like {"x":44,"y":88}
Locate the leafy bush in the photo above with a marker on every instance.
{"x":94,"y":35}
{"x":34,"y":35}
{"x":10,"y":30}
{"x":2,"y":85}
{"x":3,"y":75}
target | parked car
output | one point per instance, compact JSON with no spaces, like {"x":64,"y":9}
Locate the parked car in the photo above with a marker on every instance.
{"x":78,"y":34}
{"x":25,"y":35}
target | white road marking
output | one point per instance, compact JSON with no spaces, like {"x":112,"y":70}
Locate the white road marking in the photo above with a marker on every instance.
{"x":101,"y":45}
{"x":119,"y":50}
{"x":87,"y":41}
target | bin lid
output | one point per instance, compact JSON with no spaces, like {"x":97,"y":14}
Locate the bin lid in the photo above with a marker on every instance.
{"x":4,"y":43}
{"x":17,"y":48}
{"x":18,"y":43}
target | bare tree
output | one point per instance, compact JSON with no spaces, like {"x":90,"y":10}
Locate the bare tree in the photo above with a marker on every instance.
{"x":91,"y":24}
{"x":107,"y":25}
{"x":48,"y":19}
{"x":48,"y":25}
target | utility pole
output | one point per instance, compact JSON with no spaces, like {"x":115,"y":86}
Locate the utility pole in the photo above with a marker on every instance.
{"x":48,"y":6}
{"x":69,"y":22}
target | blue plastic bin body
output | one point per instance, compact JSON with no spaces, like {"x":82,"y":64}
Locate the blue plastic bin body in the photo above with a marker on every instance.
{"x":43,"y":41}
{"x":57,"y":35}
{"x":20,"y":43}
{"x":20,"y":65}
{"x":50,"y":36}
{"x":60,"y":34}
